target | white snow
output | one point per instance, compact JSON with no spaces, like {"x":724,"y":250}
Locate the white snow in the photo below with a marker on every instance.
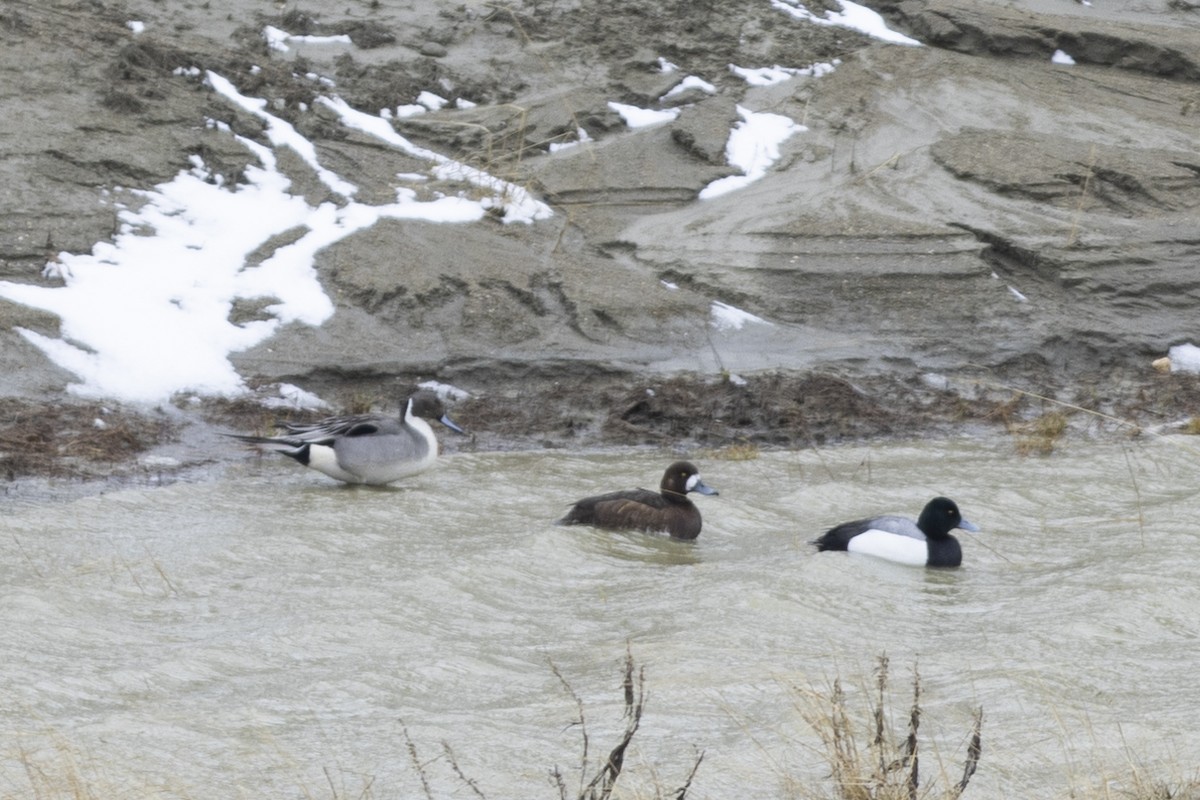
{"x":643,"y":117}
{"x":1184,"y":358}
{"x":769,"y":76}
{"x":446,"y":391}
{"x":690,"y":82}
{"x":432,"y":101}
{"x":278,"y":39}
{"x":147,"y":315}
{"x":852,"y":15}
{"x":281,"y":133}
{"x":753,"y":147}
{"x":581,"y":136}
{"x":293,"y":397}
{"x":518,"y":204}
{"x":1060,"y":57}
{"x":726,"y":317}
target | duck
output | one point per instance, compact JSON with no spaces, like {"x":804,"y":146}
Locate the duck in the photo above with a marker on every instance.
{"x":666,"y":511}
{"x":370,"y":449}
{"x":926,"y":542}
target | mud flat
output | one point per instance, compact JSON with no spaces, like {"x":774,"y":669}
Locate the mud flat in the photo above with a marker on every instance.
{"x":960,"y":231}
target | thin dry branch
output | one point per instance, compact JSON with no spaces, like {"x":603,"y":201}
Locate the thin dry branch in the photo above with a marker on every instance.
{"x":450,"y":757}
{"x":418,"y":767}
{"x":974,"y":750}
{"x":681,"y":794}
{"x":892,"y":772}
{"x":601,"y":786}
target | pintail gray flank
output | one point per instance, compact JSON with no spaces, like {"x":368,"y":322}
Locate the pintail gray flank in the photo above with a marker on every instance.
{"x":372,"y":449}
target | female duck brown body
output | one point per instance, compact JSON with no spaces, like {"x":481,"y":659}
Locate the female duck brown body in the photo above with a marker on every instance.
{"x":665,"y":511}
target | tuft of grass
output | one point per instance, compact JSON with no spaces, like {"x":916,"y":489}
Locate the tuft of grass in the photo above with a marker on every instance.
{"x":872,"y":762}
{"x":1191,"y":427}
{"x":73,"y":440}
{"x":1140,"y":783}
{"x":361,"y":403}
{"x":1041,"y":435}
{"x":1144,"y":787}
{"x":741,"y":451}
{"x":600,"y":785}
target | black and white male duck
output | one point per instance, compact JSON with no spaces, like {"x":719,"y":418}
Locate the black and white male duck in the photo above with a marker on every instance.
{"x":666,"y":511}
{"x":370,"y":449}
{"x":926,"y":542}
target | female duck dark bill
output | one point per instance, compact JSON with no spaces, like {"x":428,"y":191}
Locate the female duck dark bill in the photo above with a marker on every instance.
{"x":926,"y":542}
{"x":366,"y":448}
{"x":665,"y":511}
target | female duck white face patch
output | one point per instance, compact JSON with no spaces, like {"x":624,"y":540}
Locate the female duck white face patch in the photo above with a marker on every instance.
{"x":692,"y":481}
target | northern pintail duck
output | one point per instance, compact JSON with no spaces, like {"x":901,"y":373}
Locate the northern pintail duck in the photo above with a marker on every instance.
{"x":665,"y":511}
{"x":926,"y":542}
{"x":365,"y":448}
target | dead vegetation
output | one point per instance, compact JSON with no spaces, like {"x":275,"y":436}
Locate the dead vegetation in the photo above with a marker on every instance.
{"x":767,"y":409}
{"x":72,"y":440}
{"x":867,"y":758}
{"x":596,"y":780}
{"x":1040,"y":435}
{"x":871,"y":761}
{"x":588,"y":406}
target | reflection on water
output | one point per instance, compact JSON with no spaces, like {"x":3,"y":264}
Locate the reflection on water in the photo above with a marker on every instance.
{"x":272,"y":630}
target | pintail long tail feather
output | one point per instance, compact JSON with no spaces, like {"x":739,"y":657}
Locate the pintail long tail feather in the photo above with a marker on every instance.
{"x":365,"y":448}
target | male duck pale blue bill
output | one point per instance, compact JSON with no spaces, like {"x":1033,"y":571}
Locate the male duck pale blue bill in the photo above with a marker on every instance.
{"x":665,"y":511}
{"x":365,"y":448}
{"x":926,"y":542}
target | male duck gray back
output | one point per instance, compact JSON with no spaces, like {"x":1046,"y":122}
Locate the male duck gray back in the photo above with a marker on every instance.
{"x":370,"y":449}
{"x":925,"y":542}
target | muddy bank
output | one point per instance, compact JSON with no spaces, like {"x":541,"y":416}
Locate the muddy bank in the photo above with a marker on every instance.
{"x":956,"y":222}
{"x":84,"y":447}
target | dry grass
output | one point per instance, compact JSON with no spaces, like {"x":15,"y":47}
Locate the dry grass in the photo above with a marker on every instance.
{"x":59,"y":770}
{"x":741,"y":451}
{"x":72,"y":440}
{"x":866,"y":757}
{"x":1139,"y":782}
{"x":603,"y":779}
{"x":596,"y":779}
{"x":1148,"y":787}
{"x":1041,"y":435}
{"x":871,"y":762}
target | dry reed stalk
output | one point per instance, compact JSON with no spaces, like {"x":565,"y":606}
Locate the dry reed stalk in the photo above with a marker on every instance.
{"x":450,"y":757}
{"x":600,"y":786}
{"x":974,"y":750}
{"x":415,"y":760}
{"x":891,"y":769}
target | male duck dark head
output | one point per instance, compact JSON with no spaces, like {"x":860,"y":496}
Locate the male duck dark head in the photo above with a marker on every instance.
{"x":366,"y":448}
{"x":926,"y":542}
{"x":426,"y":404}
{"x":666,"y":511}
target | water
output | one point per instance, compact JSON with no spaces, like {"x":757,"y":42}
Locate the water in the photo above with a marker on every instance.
{"x":270,"y":633}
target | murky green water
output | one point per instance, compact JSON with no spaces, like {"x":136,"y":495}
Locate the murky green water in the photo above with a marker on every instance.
{"x":274,"y":634}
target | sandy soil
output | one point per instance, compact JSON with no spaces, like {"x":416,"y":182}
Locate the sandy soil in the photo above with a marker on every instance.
{"x":888,"y":246}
